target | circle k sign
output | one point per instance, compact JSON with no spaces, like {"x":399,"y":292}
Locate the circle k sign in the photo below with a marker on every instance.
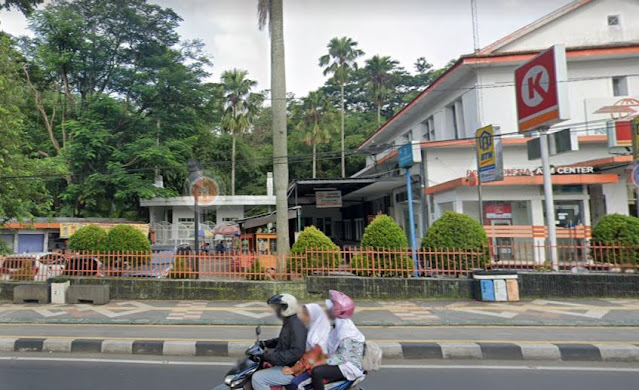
{"x":541,"y":90}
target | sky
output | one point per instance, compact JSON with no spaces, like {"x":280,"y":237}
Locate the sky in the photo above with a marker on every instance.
{"x":405,"y":30}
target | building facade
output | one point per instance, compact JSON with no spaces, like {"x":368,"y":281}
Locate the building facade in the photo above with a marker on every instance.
{"x":602,"y":44}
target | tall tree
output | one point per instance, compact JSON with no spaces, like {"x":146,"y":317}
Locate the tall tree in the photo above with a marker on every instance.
{"x":271,"y":13}
{"x":379,"y":75}
{"x":24,"y":6}
{"x":238,"y":112}
{"x":316,"y":114}
{"x":340,"y":61}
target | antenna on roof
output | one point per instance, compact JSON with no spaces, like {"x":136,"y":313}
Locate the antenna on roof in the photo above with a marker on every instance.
{"x":473,"y":7}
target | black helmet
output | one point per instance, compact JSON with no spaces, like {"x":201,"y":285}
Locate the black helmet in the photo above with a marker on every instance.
{"x":285,"y":304}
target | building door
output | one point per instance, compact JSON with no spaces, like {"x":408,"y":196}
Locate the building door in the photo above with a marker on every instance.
{"x":502,"y":246}
{"x":30,"y":243}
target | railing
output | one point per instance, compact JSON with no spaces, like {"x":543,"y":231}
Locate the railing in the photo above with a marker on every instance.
{"x":351,"y":262}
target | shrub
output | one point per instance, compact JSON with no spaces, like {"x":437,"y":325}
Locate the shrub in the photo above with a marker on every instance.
{"x":128,"y":244}
{"x":458,"y":233}
{"x":313,"y":250}
{"x":87,"y":239}
{"x":616,"y":239}
{"x":384,"y":233}
{"x":388,"y":245}
{"x":391,"y":265}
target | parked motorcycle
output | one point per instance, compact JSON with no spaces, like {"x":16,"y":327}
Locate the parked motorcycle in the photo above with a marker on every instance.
{"x":239,"y":377}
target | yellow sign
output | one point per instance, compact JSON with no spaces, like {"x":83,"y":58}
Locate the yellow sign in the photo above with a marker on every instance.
{"x":485,"y":140}
{"x":68,"y":229}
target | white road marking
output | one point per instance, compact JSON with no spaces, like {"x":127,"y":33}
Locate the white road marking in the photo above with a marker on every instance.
{"x":387,"y":366}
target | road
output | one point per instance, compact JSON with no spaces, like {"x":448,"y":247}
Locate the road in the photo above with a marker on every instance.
{"x":486,"y":334}
{"x":202,"y":375}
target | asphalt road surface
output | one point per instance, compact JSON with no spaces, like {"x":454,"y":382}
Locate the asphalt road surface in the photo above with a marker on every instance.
{"x":201,"y":375}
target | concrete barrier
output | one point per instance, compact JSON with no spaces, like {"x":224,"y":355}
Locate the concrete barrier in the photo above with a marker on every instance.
{"x":98,"y":295}
{"x":31,"y":292}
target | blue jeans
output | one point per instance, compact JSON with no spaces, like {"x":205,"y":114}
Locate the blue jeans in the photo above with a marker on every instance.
{"x":264,"y":379}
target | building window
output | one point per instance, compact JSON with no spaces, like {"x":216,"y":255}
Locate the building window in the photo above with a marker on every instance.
{"x":613,"y":20}
{"x":185,"y":220}
{"x":429,"y":133}
{"x":325,"y":225}
{"x":620,"y":86}
{"x":359,"y":229}
{"x":348,"y":229}
{"x":456,"y":118}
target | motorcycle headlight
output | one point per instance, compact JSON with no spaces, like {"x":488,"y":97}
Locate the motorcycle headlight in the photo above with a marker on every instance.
{"x":228,"y":379}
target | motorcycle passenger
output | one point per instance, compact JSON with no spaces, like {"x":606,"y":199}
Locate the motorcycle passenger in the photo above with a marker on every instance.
{"x":319,"y":328}
{"x":285,"y":350}
{"x":345,"y":344}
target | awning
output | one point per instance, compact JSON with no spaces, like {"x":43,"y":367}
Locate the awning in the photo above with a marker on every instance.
{"x":265,"y":219}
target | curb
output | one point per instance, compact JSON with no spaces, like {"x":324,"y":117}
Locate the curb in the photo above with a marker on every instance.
{"x":400,"y":351}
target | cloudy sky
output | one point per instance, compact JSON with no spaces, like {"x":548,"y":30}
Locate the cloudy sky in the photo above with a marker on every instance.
{"x":403,"y":29}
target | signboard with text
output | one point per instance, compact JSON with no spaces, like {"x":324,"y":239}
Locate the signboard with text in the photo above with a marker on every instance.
{"x":489,"y":156}
{"x":541,"y":90}
{"x":328,"y":199}
{"x":408,"y":155}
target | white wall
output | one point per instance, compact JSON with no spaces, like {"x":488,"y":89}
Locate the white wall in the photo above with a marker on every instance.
{"x":586,"y":26}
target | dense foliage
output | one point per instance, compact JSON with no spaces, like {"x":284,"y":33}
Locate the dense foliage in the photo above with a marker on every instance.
{"x":104,"y":97}
{"x":461,"y":237}
{"x":313,"y":251}
{"x":384,"y":233}
{"x":127,"y":239}
{"x":615,"y":239}
{"x":385,"y":250}
{"x":87,"y":239}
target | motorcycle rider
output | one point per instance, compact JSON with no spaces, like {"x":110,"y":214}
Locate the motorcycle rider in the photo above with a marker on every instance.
{"x":285,"y":350}
{"x":345,"y":344}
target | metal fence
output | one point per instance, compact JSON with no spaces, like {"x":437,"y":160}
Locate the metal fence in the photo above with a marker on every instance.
{"x":351,"y":262}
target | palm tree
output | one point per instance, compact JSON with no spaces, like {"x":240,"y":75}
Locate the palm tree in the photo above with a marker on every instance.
{"x":379,"y":78}
{"x":238,"y":113}
{"x":316,"y":111}
{"x":271,"y":13}
{"x":340,"y":61}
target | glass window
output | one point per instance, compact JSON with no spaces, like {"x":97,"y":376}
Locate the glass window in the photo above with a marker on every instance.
{"x":620,"y":86}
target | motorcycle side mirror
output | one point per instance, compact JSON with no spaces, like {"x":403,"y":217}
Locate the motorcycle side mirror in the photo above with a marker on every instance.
{"x":258,"y":331}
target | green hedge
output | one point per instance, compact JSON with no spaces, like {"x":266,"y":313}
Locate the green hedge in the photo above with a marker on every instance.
{"x":128,"y":244}
{"x":620,"y":233}
{"x":302,"y":257}
{"x":388,"y":247}
{"x":87,"y":239}
{"x":458,"y":233}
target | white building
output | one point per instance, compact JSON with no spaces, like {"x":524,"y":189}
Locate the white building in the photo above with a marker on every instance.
{"x":172,"y":220}
{"x":602,"y":44}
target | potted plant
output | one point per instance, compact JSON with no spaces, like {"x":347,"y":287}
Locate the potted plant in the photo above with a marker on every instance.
{"x":59,"y":287}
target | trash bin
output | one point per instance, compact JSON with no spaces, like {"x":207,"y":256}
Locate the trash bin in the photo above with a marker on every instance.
{"x":496,"y":286}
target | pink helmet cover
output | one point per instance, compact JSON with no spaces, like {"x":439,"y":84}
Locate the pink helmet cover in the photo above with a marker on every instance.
{"x":343,"y":306}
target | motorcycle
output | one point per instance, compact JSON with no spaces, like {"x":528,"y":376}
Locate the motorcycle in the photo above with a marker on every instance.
{"x":239,"y":377}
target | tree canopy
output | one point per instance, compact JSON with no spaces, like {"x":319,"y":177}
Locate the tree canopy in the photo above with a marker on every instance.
{"x":105,"y":98}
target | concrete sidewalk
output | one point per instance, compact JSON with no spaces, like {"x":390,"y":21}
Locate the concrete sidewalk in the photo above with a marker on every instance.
{"x":591,"y":312}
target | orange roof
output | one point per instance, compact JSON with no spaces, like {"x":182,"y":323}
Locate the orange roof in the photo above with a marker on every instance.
{"x":28,"y":225}
{"x":604,"y":161}
{"x":528,"y":181}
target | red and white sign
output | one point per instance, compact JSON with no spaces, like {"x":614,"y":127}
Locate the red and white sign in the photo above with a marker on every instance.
{"x":541,"y":90}
{"x":498,"y":211}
